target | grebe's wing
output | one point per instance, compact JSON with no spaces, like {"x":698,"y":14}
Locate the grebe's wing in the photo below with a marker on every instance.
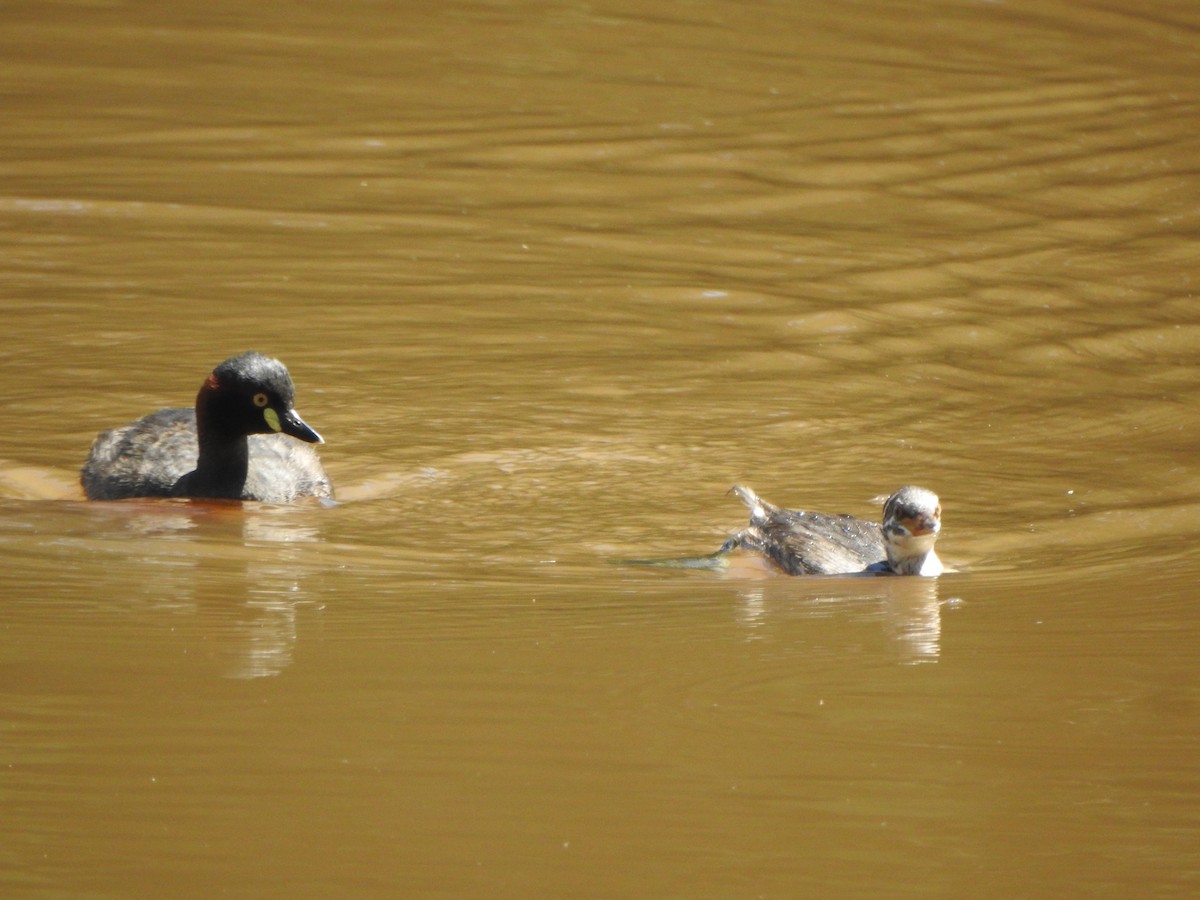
{"x":808,"y":543}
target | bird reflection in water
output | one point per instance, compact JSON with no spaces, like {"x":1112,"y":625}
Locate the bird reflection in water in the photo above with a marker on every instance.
{"x":240,"y":568}
{"x":909,"y":609}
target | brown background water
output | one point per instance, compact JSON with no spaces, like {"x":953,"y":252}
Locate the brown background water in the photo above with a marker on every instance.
{"x":550,"y":277}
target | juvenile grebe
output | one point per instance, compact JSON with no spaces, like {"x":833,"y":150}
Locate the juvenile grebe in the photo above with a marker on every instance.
{"x":809,"y":543}
{"x":232,"y":445}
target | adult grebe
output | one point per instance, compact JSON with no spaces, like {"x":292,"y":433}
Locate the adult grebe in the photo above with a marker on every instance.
{"x":232,"y":445}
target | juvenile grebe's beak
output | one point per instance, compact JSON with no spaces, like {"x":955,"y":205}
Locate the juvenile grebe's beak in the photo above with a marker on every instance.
{"x":921,"y":525}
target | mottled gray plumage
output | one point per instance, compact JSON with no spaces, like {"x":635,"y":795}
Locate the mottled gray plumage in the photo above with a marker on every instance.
{"x":808,"y":543}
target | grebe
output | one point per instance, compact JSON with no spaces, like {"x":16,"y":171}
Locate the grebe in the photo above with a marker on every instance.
{"x":810,"y":543}
{"x":233,"y":445}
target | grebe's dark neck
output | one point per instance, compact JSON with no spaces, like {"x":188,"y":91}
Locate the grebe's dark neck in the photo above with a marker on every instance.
{"x":224,"y":457}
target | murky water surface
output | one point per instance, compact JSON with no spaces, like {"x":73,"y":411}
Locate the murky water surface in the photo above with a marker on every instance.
{"x":550,"y":278}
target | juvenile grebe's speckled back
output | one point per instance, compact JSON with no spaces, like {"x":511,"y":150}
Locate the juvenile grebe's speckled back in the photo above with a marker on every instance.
{"x":809,"y":543}
{"x":236,"y":444}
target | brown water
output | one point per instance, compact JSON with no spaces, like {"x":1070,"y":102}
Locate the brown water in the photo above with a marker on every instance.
{"x":550,"y":278}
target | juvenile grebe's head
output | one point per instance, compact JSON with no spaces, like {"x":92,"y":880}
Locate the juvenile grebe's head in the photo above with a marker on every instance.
{"x":912,"y":518}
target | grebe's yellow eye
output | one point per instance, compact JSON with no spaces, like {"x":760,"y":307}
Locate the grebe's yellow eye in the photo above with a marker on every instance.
{"x":261,"y":400}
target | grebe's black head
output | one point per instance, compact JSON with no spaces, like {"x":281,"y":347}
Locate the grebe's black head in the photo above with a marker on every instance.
{"x":251,"y":394}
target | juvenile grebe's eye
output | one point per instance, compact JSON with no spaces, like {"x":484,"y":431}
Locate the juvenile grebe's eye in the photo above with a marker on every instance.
{"x":261,"y":400}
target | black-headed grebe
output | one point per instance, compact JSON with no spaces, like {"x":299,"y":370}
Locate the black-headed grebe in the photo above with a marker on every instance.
{"x":809,"y":543}
{"x":232,"y":445}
